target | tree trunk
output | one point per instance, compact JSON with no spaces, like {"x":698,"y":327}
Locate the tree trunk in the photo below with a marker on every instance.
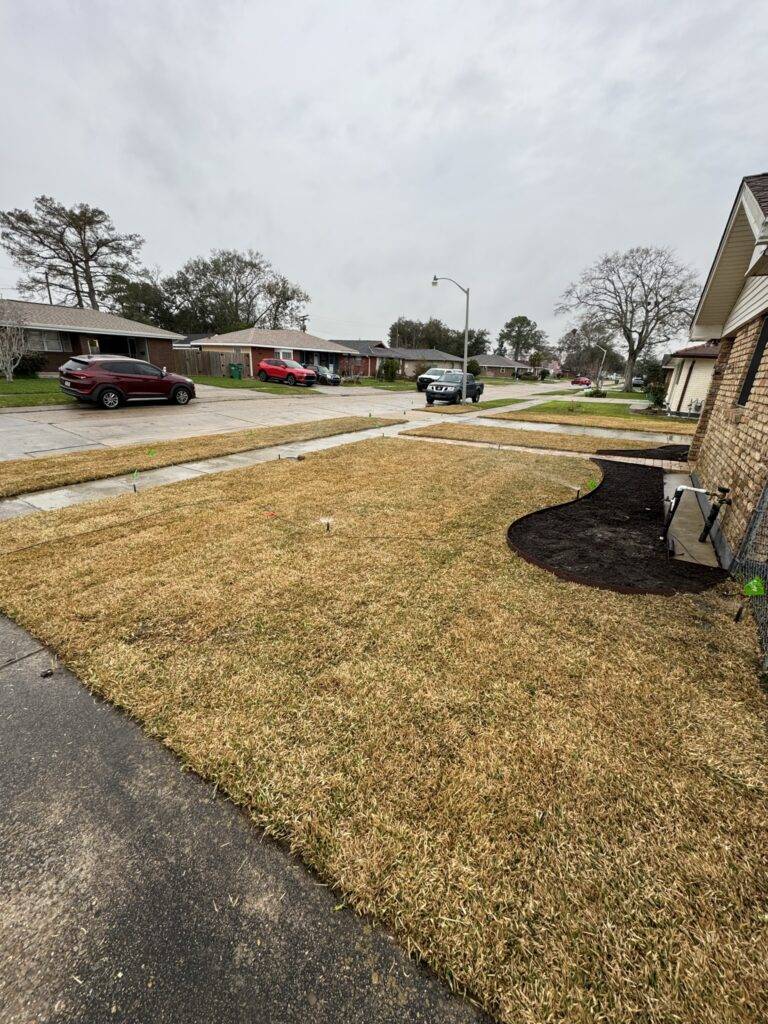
{"x":89,"y":284}
{"x":629,"y":373}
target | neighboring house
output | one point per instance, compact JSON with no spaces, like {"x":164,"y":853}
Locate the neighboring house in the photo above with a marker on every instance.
{"x":56,"y":332}
{"x":689,"y":373}
{"x":252,"y":344}
{"x":411,"y":360}
{"x":365,"y":360}
{"x":502,"y":366}
{"x":730,"y":447}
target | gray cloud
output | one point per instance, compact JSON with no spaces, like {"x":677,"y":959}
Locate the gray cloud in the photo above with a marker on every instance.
{"x":364,"y":147}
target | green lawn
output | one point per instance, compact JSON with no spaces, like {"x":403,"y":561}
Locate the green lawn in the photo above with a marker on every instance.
{"x":590,"y":407}
{"x":31,"y":391}
{"x":636,"y":396}
{"x":250,"y":384}
{"x":385,"y":385}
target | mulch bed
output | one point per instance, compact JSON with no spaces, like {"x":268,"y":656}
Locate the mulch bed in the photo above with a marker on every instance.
{"x":673,"y":452}
{"x":610,"y":537}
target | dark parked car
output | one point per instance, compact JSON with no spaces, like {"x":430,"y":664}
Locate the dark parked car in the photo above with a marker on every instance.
{"x":448,"y":388}
{"x":324,"y":374}
{"x":109,"y":381}
{"x":286,"y":370}
{"x":427,"y":378}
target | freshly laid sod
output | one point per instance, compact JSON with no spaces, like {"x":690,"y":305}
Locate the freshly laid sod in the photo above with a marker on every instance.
{"x":32,"y":391}
{"x":635,"y":396}
{"x":593,"y":414}
{"x":491,"y":403}
{"x":524,"y":438}
{"x":556,"y":795}
{"x":21,"y":476}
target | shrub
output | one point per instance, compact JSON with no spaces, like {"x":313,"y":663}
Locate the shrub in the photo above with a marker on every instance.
{"x":474,"y":367}
{"x":595,"y":393}
{"x":30,"y":365}
{"x":388,"y":369}
{"x":655,"y":392}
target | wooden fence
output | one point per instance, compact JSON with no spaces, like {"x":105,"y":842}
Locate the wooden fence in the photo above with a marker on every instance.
{"x":193,"y":362}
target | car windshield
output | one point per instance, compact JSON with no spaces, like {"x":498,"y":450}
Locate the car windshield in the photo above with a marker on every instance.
{"x":292,"y":363}
{"x":450,"y":377}
{"x":435,"y":371}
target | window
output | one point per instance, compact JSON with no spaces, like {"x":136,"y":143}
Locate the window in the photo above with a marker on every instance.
{"x":145,"y":370}
{"x":284,"y":353}
{"x":754,"y":365}
{"x":48,"y":341}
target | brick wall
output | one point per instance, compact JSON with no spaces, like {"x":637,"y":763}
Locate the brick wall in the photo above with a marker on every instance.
{"x":731,"y":443}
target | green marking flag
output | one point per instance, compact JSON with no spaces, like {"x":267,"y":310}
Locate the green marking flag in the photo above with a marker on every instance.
{"x":754,"y":587}
{"x":152,"y":452}
{"x":591,"y":485}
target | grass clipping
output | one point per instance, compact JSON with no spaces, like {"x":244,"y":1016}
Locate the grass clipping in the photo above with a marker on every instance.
{"x":555,"y":794}
{"x":523,"y":438}
{"x":22,"y":476}
{"x":630,"y":421}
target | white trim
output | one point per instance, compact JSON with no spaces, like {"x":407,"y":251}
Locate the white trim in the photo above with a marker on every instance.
{"x":92,"y":331}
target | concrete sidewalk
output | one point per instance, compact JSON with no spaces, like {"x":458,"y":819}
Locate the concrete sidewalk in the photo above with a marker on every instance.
{"x":132,"y":892}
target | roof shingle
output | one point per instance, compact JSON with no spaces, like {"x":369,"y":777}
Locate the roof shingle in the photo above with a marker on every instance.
{"x":43,"y":316}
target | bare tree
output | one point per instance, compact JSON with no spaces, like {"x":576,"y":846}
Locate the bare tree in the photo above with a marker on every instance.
{"x":74,"y":250}
{"x":13,"y":339}
{"x":639,"y":297}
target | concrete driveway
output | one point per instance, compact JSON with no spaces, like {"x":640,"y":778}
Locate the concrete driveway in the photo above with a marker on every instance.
{"x":41,"y":431}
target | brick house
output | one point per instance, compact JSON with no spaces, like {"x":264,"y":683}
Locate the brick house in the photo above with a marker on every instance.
{"x":730,"y":447}
{"x":503,"y":366}
{"x":55,"y":332}
{"x":253,"y":344}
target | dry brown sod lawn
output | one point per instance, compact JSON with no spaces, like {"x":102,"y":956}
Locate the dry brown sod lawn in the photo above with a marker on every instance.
{"x":21,"y":476}
{"x":654,"y":424}
{"x":556,"y":794}
{"x":524,"y":438}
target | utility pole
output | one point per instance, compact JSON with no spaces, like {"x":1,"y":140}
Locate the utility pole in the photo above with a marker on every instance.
{"x":48,"y":287}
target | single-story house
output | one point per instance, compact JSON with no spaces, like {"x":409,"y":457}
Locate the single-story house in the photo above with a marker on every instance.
{"x":410,"y":360}
{"x":503,"y":366}
{"x":56,"y":332}
{"x":249,"y":346}
{"x":689,"y":372}
{"x":730,"y":448}
{"x":365,"y":361}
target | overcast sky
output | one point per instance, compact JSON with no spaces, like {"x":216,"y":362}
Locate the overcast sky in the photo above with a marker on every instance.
{"x":364,"y":146}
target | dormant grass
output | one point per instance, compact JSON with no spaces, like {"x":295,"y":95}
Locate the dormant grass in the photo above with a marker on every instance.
{"x":652,"y":424}
{"x":21,"y":476}
{"x":554,"y":794}
{"x":523,"y":438}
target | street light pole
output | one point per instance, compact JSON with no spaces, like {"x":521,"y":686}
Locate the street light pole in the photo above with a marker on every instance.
{"x":435,"y":279}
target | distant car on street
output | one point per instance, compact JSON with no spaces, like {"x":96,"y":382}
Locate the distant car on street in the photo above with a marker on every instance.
{"x":110,"y":381}
{"x":582,"y":382}
{"x":638,"y":382}
{"x":448,"y":388}
{"x":286,"y":370}
{"x":428,"y":377}
{"x":324,"y":374}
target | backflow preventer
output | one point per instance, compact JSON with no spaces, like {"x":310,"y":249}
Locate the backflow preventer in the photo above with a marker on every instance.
{"x":719,"y":498}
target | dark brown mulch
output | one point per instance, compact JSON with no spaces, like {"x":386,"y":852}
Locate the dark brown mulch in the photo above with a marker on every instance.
{"x":610,"y":538}
{"x":676,"y":452}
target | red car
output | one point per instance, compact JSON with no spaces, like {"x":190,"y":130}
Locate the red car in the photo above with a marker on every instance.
{"x":109,"y":381}
{"x":582,"y":382}
{"x":286,"y":370}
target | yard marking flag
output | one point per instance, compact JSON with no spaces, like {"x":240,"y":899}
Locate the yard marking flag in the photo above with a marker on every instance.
{"x":135,"y":478}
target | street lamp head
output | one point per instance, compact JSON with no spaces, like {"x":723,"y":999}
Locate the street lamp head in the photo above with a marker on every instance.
{"x":434,"y":281}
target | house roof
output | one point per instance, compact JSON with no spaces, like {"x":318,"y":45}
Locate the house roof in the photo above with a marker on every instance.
{"x":494,"y":361}
{"x":707,"y":350}
{"x":42,"y":316}
{"x":737,"y":255}
{"x":361,"y":347}
{"x":420,"y":355}
{"x":276,"y":339}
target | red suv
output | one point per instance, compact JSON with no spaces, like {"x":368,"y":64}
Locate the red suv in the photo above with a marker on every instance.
{"x":287,"y":370}
{"x":109,"y":381}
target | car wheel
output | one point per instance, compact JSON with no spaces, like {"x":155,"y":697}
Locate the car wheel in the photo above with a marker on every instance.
{"x":290,"y":379}
{"x":476,"y":399}
{"x":181,"y":396}
{"x":110,"y":399}
{"x":262,"y":376}
{"x":430,"y":401}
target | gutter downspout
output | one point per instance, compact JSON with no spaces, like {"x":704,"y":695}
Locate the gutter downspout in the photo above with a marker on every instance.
{"x":685,"y":386}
